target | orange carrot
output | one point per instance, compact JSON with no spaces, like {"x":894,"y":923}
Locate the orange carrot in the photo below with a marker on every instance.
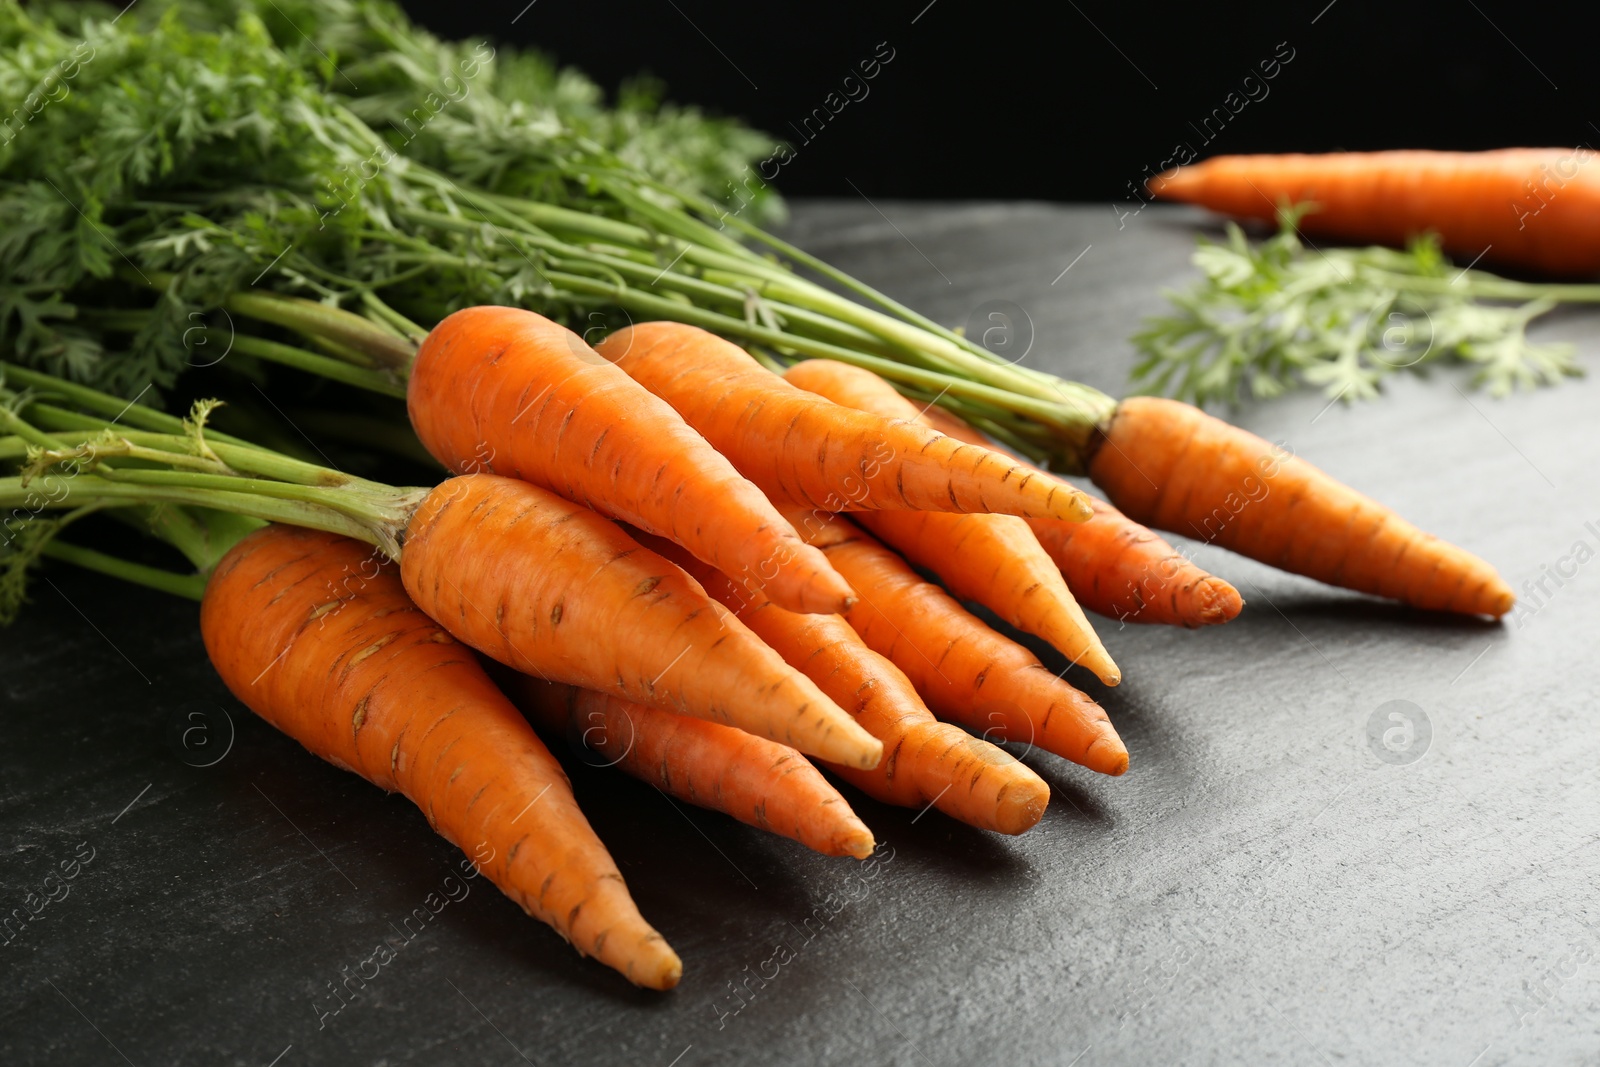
{"x":1175,"y":467}
{"x":1535,"y":208}
{"x":1124,"y":570}
{"x":506,"y":391}
{"x":1119,"y":568}
{"x":992,"y":559}
{"x":552,"y":589}
{"x":365,"y":680}
{"x":926,"y":762}
{"x":799,"y":446}
{"x":759,"y":782}
{"x":965,"y":671}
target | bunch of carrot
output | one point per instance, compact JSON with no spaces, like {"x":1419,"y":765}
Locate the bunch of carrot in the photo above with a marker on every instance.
{"x":704,"y":571}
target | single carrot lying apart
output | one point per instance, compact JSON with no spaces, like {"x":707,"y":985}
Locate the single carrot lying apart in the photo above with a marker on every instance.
{"x":966,"y":672}
{"x":355,"y":672}
{"x":802,"y":447}
{"x":1535,"y":208}
{"x":1175,"y":467}
{"x":506,"y":391}
{"x":1120,"y":568}
{"x":554,"y":590}
{"x":992,"y":559}
{"x":759,"y":782}
{"x":925,"y":761}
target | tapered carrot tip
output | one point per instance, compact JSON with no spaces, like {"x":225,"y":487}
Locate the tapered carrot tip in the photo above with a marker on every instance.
{"x":1107,"y":754}
{"x":1179,"y":183}
{"x":826,"y":594}
{"x":1022,"y":805}
{"x":857,"y":842}
{"x":1099,"y":662}
{"x":1216,"y":601}
{"x":653,"y":964}
{"x":857,"y":749}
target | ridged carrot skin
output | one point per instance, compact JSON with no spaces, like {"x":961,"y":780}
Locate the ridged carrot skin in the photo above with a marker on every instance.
{"x":551,"y":589}
{"x":992,"y":559}
{"x":925,"y":762}
{"x":1534,"y":208}
{"x":504,"y":391}
{"x":1120,"y":568}
{"x":1126,"y":571}
{"x":1175,"y":467}
{"x":966,"y":672}
{"x":799,"y":446}
{"x":759,"y":782}
{"x":324,"y":644}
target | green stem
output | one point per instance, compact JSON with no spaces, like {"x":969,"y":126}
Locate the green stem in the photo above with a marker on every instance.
{"x":321,"y":320}
{"x":404,"y":326}
{"x":1072,"y":418}
{"x":119,"y":410}
{"x":1489,"y":287}
{"x":192,"y":586}
{"x":75,"y":429}
{"x":387,"y":383}
{"x":381,"y":532}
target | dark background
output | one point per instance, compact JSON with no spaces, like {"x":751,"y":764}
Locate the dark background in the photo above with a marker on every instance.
{"x":1072,"y":101}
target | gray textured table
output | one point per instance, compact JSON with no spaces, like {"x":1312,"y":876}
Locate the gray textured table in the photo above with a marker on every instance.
{"x":1260,"y":888}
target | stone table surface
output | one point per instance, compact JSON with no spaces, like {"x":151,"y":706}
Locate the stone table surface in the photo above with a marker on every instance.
{"x":1268,"y":884}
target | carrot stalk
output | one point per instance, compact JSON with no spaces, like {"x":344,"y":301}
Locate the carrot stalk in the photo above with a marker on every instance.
{"x":522,"y":575}
{"x":805,"y":448}
{"x":1119,"y":568}
{"x":1174,"y":467}
{"x":552,"y":589}
{"x":992,"y":559}
{"x":506,"y":391}
{"x":759,"y":782}
{"x":1535,"y":208}
{"x":966,"y":672}
{"x":926,"y":762}
{"x":356,"y":673}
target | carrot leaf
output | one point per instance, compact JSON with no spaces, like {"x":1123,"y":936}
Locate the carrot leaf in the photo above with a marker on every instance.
{"x":1269,"y":315}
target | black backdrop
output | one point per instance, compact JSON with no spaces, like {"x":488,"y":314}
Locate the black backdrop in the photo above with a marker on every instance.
{"x":1073,"y":100}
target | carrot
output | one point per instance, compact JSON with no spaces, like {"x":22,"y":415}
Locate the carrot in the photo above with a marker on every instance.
{"x":1119,"y":568}
{"x":926,"y":762}
{"x":506,"y":391}
{"x":966,"y":672}
{"x":1175,"y":467}
{"x":364,"y":679}
{"x":759,"y":782}
{"x":802,"y":447}
{"x":992,"y":559}
{"x":1535,"y":208}
{"x":550,"y":588}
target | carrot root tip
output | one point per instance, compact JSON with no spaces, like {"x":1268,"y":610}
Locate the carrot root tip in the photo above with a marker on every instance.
{"x":1107,"y":755}
{"x":1219,"y":602}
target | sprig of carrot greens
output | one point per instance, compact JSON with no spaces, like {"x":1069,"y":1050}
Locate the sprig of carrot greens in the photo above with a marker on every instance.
{"x":212,"y":159}
{"x":1270,"y":314}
